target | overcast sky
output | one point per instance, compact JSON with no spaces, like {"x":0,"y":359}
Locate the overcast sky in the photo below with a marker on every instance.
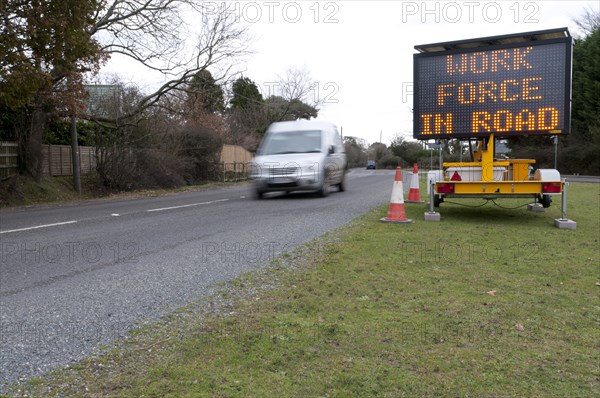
{"x":361,"y":52}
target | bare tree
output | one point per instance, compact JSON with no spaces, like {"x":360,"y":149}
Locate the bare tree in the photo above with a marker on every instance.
{"x":589,"y":21}
{"x":295,"y":95}
{"x":46,"y":47}
{"x":298,"y":85}
{"x":158,"y":140}
{"x":155,"y":35}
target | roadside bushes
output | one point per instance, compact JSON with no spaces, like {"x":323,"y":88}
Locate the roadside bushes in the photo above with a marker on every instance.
{"x":127,"y":160}
{"x":200,"y":150}
{"x":389,"y":161}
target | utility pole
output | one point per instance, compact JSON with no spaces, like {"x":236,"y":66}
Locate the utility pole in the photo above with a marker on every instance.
{"x":555,"y":152}
{"x":430,"y":158}
{"x":75,"y":156}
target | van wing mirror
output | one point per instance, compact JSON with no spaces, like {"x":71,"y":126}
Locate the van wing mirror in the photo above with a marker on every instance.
{"x":331,"y":150}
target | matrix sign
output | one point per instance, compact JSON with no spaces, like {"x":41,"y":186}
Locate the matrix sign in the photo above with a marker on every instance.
{"x":523,"y":89}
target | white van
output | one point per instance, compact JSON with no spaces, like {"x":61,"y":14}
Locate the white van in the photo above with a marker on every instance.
{"x":303,"y":155}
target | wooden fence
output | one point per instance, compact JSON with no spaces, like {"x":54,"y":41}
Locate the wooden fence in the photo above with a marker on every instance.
{"x":235,"y":162}
{"x":8,"y":159}
{"x":235,"y":171}
{"x":57,"y":160}
{"x":231,"y":154}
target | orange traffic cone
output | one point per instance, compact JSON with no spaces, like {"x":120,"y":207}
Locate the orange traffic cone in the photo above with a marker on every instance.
{"x":396,"y":211}
{"x":414,"y":193}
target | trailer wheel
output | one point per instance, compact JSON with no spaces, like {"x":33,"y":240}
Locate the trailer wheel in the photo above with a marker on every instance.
{"x":437,"y":200}
{"x":545,"y":200}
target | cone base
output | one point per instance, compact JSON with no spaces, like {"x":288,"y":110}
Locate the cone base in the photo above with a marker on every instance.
{"x":414,"y":196}
{"x":385,"y":219}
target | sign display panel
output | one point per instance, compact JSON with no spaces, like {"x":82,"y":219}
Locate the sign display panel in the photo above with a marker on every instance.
{"x":508,"y":91}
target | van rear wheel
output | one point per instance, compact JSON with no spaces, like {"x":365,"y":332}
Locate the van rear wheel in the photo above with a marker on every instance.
{"x":342,"y":184}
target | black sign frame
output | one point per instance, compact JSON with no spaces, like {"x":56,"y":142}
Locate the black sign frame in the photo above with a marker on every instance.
{"x":564,"y":102}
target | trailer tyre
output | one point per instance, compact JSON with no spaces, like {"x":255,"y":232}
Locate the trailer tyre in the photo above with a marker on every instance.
{"x":545,"y":200}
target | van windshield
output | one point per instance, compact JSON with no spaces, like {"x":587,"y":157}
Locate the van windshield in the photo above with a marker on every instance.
{"x":292,"y":142}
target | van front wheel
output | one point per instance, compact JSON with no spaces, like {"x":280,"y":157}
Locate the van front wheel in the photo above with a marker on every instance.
{"x":324,"y":191}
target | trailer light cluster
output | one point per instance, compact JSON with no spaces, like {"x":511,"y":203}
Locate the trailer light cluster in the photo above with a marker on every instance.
{"x":551,"y":187}
{"x":445,"y":188}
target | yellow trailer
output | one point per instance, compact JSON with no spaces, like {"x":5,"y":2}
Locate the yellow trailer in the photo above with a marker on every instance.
{"x":490,"y":88}
{"x":491,"y":179}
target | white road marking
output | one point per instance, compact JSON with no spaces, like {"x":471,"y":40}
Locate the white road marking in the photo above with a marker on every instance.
{"x":113,"y":215}
{"x":37,"y":227}
{"x":190,"y":205}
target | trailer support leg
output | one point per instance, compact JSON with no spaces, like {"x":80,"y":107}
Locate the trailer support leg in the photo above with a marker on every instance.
{"x":431,"y":215}
{"x":564,"y":222}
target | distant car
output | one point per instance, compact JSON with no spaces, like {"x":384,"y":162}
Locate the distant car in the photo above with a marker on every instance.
{"x":371,"y":164}
{"x":302,"y":155}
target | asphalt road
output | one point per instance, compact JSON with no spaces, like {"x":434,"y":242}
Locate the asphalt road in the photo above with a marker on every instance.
{"x":75,"y":277}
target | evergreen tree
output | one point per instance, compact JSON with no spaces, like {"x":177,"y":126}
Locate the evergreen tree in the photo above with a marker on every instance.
{"x":205,"y":93}
{"x":245,"y":94}
{"x":578,"y":151}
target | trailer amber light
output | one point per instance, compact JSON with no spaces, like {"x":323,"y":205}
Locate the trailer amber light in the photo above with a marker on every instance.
{"x":445,"y":188}
{"x":551,"y":187}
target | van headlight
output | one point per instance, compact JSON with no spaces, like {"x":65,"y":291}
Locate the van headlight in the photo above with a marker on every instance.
{"x":310,"y":171}
{"x":255,"y":171}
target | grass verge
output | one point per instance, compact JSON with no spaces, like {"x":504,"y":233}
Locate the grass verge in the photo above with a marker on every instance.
{"x":489,"y":302}
{"x":24,"y":191}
